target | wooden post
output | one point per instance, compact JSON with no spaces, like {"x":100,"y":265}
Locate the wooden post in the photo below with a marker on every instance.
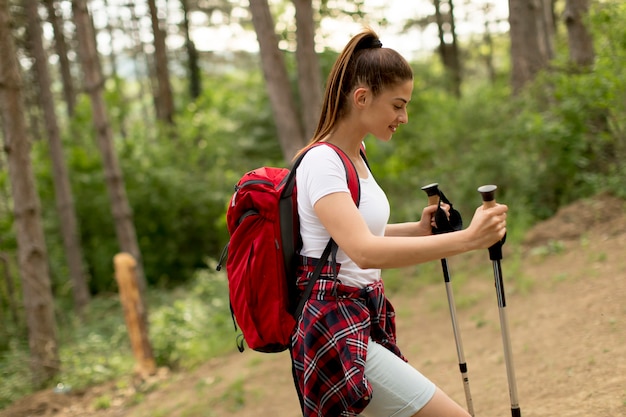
{"x":134,"y":313}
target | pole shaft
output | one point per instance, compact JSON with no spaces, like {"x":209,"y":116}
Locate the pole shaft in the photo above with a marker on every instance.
{"x":506,"y":341}
{"x":457,"y":337}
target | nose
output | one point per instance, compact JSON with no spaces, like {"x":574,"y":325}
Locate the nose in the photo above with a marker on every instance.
{"x":404,"y":117}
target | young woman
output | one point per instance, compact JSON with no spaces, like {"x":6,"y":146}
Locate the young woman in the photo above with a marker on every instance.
{"x":344,"y":352}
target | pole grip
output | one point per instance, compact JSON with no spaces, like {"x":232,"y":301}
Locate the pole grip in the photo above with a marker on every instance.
{"x":432,"y":191}
{"x":488,"y":193}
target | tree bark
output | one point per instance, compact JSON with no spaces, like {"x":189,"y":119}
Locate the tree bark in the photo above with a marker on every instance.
{"x":62,"y":187}
{"x":165,"y":100}
{"x":581,"y":50}
{"x":449,"y":51}
{"x":94,"y":84}
{"x":32,"y":251}
{"x":139,"y":56}
{"x":193,"y":70}
{"x":548,"y":27}
{"x":61,"y":48}
{"x":530,"y":52}
{"x":290,"y":132}
{"x":309,"y":72}
{"x":488,"y":56}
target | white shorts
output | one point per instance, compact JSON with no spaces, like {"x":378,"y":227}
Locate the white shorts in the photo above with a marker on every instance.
{"x":399,"y":390}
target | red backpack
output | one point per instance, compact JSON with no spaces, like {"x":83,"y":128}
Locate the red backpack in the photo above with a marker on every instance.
{"x":264,"y":229}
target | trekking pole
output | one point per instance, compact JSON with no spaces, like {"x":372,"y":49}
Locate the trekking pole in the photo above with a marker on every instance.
{"x":432,"y":190}
{"x":495,"y":254}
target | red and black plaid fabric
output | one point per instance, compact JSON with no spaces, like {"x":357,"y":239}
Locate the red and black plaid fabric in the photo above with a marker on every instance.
{"x":329,"y":345}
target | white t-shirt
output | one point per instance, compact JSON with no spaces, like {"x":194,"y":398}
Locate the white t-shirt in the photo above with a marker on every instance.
{"x":320,"y":173}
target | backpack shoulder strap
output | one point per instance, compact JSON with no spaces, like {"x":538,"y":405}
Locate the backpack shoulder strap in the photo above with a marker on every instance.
{"x":351,"y":174}
{"x":364,"y":156}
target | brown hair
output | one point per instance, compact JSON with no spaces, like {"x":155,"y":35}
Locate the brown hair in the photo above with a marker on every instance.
{"x":362,"y":62}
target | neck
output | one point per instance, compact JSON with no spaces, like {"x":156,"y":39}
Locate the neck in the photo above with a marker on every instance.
{"x":347,"y":140}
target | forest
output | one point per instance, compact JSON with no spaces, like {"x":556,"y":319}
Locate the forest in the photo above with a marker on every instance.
{"x":122,"y":132}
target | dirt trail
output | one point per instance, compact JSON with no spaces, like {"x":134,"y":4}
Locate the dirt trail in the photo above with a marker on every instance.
{"x":567,"y":316}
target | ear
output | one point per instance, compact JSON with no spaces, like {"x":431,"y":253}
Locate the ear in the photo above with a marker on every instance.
{"x":360,"y":96}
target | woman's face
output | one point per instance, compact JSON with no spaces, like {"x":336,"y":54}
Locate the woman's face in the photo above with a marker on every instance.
{"x":384,"y":113}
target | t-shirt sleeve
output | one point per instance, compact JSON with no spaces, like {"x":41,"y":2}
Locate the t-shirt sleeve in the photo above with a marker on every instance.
{"x":321,"y":173}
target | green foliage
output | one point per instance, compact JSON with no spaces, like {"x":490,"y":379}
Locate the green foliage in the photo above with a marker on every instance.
{"x":7,"y":238}
{"x":193,"y":325}
{"x":15,"y":380}
{"x":186,"y":327}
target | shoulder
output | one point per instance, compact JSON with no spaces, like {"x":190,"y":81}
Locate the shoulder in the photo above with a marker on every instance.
{"x":321,"y":151}
{"x":321,"y":158}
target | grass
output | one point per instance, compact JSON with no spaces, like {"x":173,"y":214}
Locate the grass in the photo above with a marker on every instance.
{"x":187,"y":326}
{"x":235,"y":395}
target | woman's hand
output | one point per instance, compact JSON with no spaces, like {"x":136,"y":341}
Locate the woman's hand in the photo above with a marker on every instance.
{"x":488,"y":226}
{"x":427,"y":222}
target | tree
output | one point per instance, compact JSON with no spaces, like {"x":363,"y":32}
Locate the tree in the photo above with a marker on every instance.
{"x":195,"y":87}
{"x":581,"y":50}
{"x":309,"y":72}
{"x":62,"y":187}
{"x":448,"y":45}
{"x":32,"y":251}
{"x":62,"y":50}
{"x":138,"y":54}
{"x":94,"y":84}
{"x":290,"y":131}
{"x":487,"y":56}
{"x":531,"y":39}
{"x":164,"y":97}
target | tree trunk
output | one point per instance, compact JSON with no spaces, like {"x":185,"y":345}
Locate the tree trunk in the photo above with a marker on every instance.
{"x":488,"y":55}
{"x":448,"y":46}
{"x":32,"y":251}
{"x":64,"y":63}
{"x":290,"y":133}
{"x":165,"y":100}
{"x":581,"y":51}
{"x":309,"y":72}
{"x":139,"y":56}
{"x":62,"y":187}
{"x":548,"y":27}
{"x":94,"y":83}
{"x":529,"y":48}
{"x":193,"y":70}
{"x":118,"y":82}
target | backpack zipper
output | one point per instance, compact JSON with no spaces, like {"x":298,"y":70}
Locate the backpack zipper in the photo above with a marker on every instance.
{"x":245,"y":184}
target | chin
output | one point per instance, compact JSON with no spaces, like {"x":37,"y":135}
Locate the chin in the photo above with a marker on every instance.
{"x":384,"y":138}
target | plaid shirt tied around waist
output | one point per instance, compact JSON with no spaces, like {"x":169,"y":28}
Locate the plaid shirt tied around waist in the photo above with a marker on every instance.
{"x":329,"y":344}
